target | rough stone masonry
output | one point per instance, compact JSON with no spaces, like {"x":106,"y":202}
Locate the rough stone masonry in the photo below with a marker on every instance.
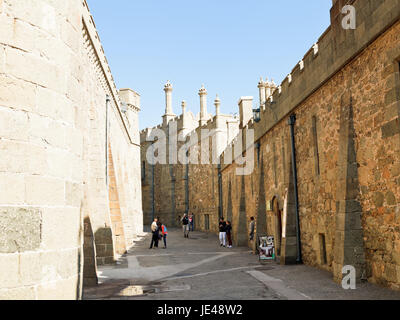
{"x":70,"y":194}
{"x":345,"y":96}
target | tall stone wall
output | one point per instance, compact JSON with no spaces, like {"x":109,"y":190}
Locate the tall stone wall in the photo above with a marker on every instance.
{"x":347,"y":148}
{"x":55,"y":223}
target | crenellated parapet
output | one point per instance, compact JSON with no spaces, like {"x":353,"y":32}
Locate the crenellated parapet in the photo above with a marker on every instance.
{"x":333,"y":50}
{"x":95,"y":51}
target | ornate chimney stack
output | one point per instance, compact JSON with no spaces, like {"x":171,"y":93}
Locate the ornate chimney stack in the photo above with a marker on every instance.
{"x":203,"y":105}
{"x":183,"y":107}
{"x":217,"y":103}
{"x":262,"y":89}
{"x":169,"y":114}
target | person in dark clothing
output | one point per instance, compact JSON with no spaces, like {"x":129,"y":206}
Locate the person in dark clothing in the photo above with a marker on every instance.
{"x":156,"y":234}
{"x":222,"y":232}
{"x":185,"y":225}
{"x":229,"y":233}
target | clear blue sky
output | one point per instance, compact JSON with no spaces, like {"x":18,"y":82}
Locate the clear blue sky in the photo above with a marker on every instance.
{"x":227,"y":45}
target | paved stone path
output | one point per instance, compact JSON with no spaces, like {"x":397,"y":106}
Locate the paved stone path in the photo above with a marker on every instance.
{"x":199,"y":269}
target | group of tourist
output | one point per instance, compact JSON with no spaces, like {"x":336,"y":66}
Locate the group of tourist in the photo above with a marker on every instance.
{"x":159,"y":231}
{"x":225,"y":235}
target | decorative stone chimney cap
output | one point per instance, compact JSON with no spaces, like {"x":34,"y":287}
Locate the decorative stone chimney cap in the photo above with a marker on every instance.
{"x":202,"y":90}
{"x":261,"y":83}
{"x":168,"y":86}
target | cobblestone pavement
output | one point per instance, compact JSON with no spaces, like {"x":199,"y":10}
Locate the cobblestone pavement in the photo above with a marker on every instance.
{"x":199,"y":269}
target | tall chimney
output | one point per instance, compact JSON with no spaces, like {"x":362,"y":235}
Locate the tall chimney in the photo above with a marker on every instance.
{"x":261,"y":87}
{"x":203,"y":105}
{"x":245,"y":110}
{"x":217,"y":103}
{"x":169,"y":114}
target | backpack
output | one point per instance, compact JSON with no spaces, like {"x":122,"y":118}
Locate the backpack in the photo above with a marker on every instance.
{"x":185,"y":221}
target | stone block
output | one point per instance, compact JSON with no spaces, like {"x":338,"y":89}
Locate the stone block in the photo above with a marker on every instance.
{"x":391,"y":128}
{"x":390,"y":198}
{"x":54,"y":105}
{"x":12,"y":189}
{"x":73,"y":194}
{"x":44,"y":191}
{"x":30,"y":268}
{"x":20,"y":293}
{"x":16,"y":93}
{"x":9,"y":264}
{"x":38,"y":13}
{"x":74,"y":141}
{"x":34,"y":69}
{"x":378,"y":199}
{"x":59,"y":264}
{"x":69,"y":36}
{"x":20,"y":229}
{"x":13,"y":124}
{"x":65,"y":219}
{"x":390,"y":273}
{"x":63,"y":289}
{"x":43,"y":130}
{"x":59,"y":163}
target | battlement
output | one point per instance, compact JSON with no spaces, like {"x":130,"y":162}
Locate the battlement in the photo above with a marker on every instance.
{"x":334,"y":49}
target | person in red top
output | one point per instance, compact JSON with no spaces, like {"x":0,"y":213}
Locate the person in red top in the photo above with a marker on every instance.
{"x":164,"y":232}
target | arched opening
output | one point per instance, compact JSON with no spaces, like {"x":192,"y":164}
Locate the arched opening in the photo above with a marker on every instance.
{"x":278,"y":225}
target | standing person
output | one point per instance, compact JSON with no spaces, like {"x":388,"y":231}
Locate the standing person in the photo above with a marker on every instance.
{"x":191,"y":222}
{"x":222,"y":232}
{"x":252,"y":229}
{"x":155,"y":234}
{"x":164,"y":232}
{"x":229,"y":233}
{"x":185,"y":225}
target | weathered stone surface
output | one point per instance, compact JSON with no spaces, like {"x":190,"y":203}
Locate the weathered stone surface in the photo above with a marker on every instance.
{"x":391,"y":128}
{"x":20,"y":229}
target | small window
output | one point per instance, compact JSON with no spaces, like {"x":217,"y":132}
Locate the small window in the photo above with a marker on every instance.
{"x":143,"y":170}
{"x":274,"y":164}
{"x":316,"y":150}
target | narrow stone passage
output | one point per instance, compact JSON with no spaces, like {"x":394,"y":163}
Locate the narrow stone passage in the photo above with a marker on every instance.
{"x":199,"y":269}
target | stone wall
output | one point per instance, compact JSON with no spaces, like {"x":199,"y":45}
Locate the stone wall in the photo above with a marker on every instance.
{"x":54,"y":205}
{"x":347,"y":147}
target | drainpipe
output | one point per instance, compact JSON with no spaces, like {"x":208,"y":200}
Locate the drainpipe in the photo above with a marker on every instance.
{"x":220,"y":191}
{"x":292,"y":122}
{"x":152,"y":187}
{"x":187,"y":187}
{"x":108,"y":100}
